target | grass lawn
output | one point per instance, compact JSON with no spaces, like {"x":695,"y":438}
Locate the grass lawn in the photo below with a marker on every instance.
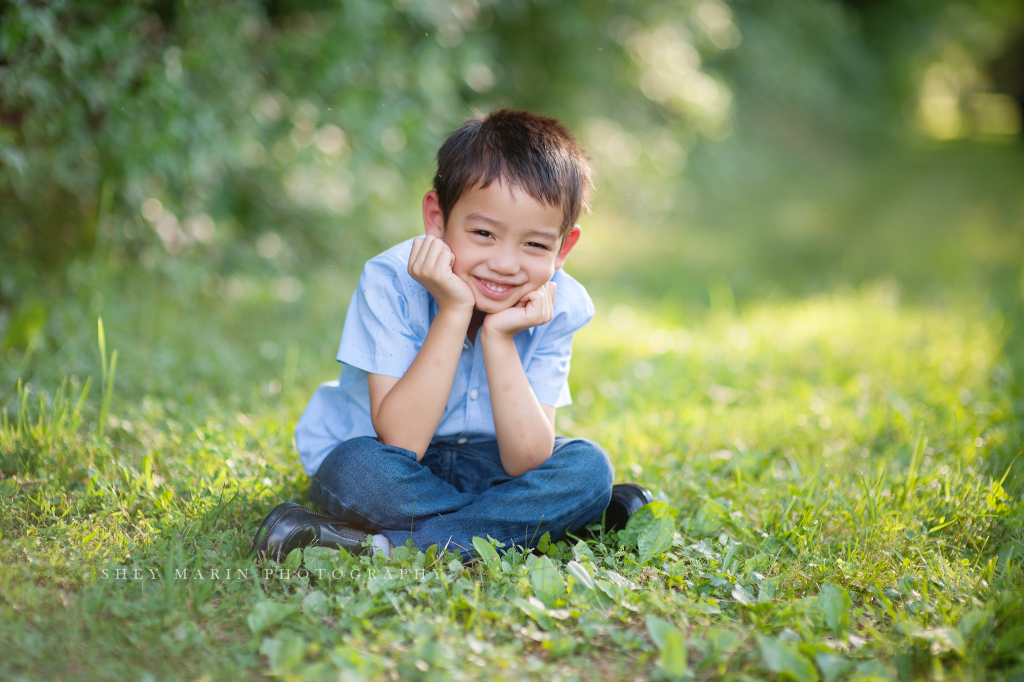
{"x":828,"y":410}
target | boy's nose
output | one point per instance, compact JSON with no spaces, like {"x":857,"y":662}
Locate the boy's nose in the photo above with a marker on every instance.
{"x":504,"y":263}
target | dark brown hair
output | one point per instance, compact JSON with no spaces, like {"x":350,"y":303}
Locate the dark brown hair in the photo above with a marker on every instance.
{"x":529,"y":152}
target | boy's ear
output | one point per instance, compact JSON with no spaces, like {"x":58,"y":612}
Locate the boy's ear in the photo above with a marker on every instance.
{"x":433,"y":216}
{"x":570,"y":241}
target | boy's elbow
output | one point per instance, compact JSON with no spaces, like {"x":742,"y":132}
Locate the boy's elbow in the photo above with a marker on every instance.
{"x":396,"y":440}
{"x":530,"y":461}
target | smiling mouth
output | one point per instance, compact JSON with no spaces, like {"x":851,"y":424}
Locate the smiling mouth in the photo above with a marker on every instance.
{"x":494,"y":289}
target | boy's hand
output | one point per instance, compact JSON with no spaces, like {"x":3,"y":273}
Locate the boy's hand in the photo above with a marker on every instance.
{"x":430,"y":264}
{"x":536,"y":308}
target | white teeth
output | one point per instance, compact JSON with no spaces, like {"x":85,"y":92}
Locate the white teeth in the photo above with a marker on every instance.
{"x":497,"y":288}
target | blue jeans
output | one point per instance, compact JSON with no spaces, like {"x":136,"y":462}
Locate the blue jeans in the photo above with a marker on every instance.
{"x":457,"y":492}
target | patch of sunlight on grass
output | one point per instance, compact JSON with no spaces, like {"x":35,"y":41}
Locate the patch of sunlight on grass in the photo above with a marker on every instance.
{"x":829,"y":381}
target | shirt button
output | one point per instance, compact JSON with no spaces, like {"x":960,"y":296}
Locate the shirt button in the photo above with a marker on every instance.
{"x":462,"y":441}
{"x":473,"y":394}
{"x":465,"y":345}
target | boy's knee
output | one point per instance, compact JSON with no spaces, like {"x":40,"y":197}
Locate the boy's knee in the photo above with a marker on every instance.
{"x":589,"y":462}
{"x":339,"y":461}
{"x":360,"y":463}
{"x":358,"y":479}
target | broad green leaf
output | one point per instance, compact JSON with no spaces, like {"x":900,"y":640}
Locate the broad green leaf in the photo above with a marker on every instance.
{"x":657,"y":628}
{"x":614,"y":592}
{"x":269,"y":648}
{"x":767,"y":591}
{"x":381,"y":581}
{"x":834,"y":603}
{"x":707,"y":605}
{"x":290,"y":654}
{"x":535,"y":609}
{"x":873,"y":671}
{"x":741,"y":595}
{"x":973,"y":621}
{"x":656,"y":537}
{"x":582,"y":549}
{"x":941,"y":640}
{"x":673,"y":655}
{"x":293,"y":560}
{"x":400,"y":554}
{"x":1010,"y":641}
{"x":269,"y":613}
{"x":710,"y":518}
{"x":316,"y":603}
{"x":580,"y":574}
{"x":1014,"y":549}
{"x":319,"y":561}
{"x":485,"y":550}
{"x":832,"y":666}
{"x":547,"y":582}
{"x":672,"y":644}
{"x":722,"y":640}
{"x":544,"y":543}
{"x":646,"y":516}
{"x":619,"y":580}
{"x":786,"y":660}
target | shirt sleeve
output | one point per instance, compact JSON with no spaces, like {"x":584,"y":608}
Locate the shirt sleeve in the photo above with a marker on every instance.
{"x":548,"y":370}
{"x":383,"y":332}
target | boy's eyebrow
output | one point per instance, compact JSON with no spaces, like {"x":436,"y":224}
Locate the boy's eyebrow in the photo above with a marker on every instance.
{"x":485,"y":219}
{"x":542,"y":233}
{"x":497,"y":223}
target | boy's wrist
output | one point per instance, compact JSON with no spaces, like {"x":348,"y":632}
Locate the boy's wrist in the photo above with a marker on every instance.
{"x":493,"y":336}
{"x":455,"y":315}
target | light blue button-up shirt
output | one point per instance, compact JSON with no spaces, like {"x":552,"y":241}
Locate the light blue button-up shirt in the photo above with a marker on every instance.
{"x":385,"y":327}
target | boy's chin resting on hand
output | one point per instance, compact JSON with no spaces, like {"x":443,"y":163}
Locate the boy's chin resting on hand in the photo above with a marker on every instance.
{"x":534,"y":309}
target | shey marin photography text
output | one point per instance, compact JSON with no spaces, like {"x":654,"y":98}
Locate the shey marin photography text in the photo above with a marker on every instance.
{"x":268,"y":573}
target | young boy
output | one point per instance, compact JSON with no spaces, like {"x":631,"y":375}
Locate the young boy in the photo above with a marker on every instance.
{"x":456,"y":352}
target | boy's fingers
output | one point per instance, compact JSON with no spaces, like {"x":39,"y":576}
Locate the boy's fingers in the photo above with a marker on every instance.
{"x":549,"y":301}
{"x":433,"y":253}
{"x":424,"y":249}
{"x":428,"y":241}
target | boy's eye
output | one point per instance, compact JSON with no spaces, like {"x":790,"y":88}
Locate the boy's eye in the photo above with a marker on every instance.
{"x":482,"y":233}
{"x":538,"y":246}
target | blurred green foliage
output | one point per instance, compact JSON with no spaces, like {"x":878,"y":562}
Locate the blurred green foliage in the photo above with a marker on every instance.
{"x":318,"y":120}
{"x":167,"y":164}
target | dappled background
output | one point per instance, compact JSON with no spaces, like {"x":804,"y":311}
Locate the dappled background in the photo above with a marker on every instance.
{"x":209,"y":177}
{"x":805,"y":251}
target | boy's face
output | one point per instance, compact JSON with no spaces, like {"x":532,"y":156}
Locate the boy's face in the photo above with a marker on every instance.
{"x":506,"y":243}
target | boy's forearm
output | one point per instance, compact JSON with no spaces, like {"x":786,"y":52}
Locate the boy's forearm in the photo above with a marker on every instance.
{"x":411,"y":411}
{"x":525,"y":435}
